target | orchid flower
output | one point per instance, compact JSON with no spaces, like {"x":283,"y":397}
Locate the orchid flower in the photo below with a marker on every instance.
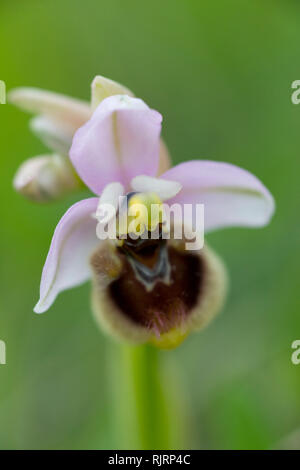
{"x":48,"y":177}
{"x":146,"y":291}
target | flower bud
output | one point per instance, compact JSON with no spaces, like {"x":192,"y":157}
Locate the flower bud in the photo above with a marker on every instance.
{"x":46,"y":178}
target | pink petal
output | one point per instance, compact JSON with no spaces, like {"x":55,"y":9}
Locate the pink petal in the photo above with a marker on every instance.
{"x":120,"y":141}
{"x":67,"y":263}
{"x":231,"y":196}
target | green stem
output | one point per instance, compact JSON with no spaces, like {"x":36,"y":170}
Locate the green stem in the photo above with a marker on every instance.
{"x":144,"y":408}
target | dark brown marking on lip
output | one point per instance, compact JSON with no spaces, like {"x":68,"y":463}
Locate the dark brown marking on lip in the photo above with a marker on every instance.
{"x":166,"y":305}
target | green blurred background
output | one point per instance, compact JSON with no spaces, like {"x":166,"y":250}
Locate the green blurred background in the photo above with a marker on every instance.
{"x":220,"y":73}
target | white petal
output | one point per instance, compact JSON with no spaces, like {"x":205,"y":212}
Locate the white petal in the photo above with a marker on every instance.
{"x":54,"y":136}
{"x":163,"y":188}
{"x":110,"y":195}
{"x":59,"y":107}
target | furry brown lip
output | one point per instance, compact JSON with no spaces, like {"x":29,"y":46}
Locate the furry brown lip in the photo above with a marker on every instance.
{"x":165,"y":305}
{"x":162,"y":312}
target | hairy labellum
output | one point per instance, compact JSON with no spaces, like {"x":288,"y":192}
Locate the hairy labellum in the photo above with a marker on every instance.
{"x":158,"y":292}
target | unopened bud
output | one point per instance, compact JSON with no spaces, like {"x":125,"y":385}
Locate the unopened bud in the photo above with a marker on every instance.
{"x":46,"y":178}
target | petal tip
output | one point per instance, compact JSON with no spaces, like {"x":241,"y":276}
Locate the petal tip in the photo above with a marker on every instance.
{"x":103,"y":87}
{"x":39,"y":308}
{"x":15,"y":95}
